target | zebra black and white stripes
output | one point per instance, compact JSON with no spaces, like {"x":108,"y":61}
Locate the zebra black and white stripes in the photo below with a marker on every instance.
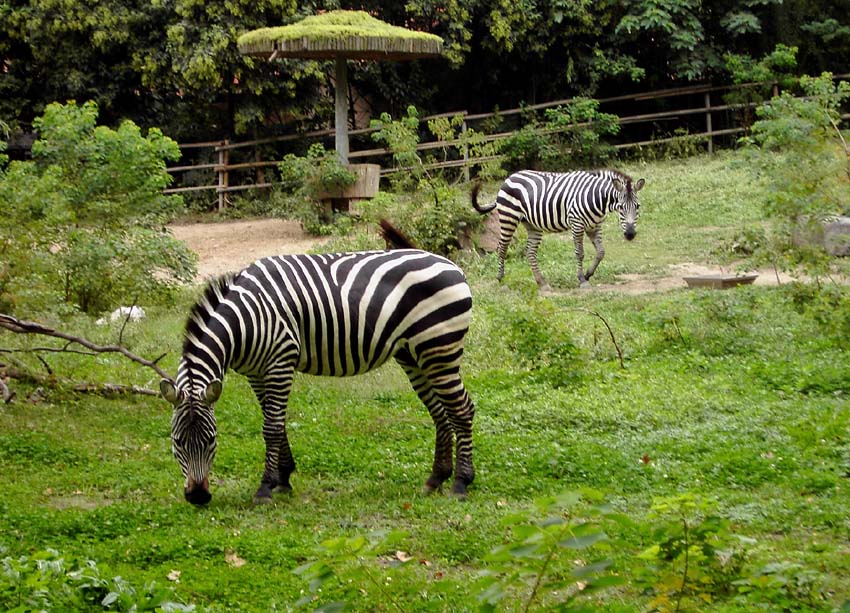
{"x":334,"y":315}
{"x":556,"y":202}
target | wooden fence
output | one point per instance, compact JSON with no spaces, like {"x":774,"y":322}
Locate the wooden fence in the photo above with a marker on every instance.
{"x":698,"y":113}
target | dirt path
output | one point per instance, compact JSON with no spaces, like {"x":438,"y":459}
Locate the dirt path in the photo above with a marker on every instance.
{"x":232,"y":245}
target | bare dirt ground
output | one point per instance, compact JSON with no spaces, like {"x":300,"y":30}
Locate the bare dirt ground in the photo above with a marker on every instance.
{"x":230,"y":246}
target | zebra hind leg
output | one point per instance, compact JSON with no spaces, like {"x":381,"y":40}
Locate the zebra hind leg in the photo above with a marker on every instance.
{"x":443,"y":466}
{"x":507,"y":228}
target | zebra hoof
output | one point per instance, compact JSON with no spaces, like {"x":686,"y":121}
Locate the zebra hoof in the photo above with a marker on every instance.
{"x":584,"y":285}
{"x":459,"y":490}
{"x":263,"y":495}
{"x":430,"y":489}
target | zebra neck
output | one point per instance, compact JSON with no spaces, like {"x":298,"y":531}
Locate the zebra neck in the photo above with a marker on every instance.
{"x":204,"y":360}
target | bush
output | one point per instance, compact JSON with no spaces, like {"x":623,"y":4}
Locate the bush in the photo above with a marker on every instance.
{"x":307,"y":183}
{"x":571,"y":137}
{"x":796,"y":146}
{"x":85,"y":220}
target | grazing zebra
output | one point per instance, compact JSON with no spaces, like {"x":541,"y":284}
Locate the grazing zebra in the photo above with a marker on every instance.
{"x":556,"y":202}
{"x":335,"y":315}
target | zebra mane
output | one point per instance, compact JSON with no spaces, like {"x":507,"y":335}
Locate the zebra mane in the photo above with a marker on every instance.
{"x":214,"y":293}
{"x":614,"y":174}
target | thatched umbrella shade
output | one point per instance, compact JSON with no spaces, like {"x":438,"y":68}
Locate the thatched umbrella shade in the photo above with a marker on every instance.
{"x":340,"y":35}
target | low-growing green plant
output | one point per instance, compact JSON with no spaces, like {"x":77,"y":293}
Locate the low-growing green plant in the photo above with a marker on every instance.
{"x":782,"y":586}
{"x":537,"y":569}
{"x":468,"y":144}
{"x":438,"y":218}
{"x":351,"y":565}
{"x":401,"y":136}
{"x":799,"y":150}
{"x":49,"y":581}
{"x":540,"y":340}
{"x":758,"y":78}
{"x":681,"y":144}
{"x":572,"y":136}
{"x":694,"y":556}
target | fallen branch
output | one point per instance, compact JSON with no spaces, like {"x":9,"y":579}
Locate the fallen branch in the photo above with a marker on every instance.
{"x":610,"y":332}
{"x":13,"y":324}
{"x":102,"y":389}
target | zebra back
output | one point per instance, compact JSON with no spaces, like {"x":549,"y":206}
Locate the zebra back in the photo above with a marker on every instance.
{"x":333,"y":314}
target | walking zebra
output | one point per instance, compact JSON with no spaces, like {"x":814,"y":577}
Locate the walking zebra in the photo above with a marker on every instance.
{"x":557,"y":202}
{"x":335,"y":315}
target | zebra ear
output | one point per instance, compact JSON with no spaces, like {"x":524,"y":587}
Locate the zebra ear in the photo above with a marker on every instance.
{"x":618,"y":185}
{"x":212,"y":392}
{"x":639,"y":185}
{"x":168,"y":391}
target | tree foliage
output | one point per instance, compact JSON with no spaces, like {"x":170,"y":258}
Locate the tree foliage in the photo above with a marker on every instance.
{"x":176,"y":65}
{"x":83,"y":221}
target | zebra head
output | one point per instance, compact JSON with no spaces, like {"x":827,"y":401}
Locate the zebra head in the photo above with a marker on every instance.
{"x":193,"y":435}
{"x":627,"y":205}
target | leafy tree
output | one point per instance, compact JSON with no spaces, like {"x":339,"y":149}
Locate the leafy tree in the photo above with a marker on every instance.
{"x":775,"y":69}
{"x":84,"y":221}
{"x":686,"y":39}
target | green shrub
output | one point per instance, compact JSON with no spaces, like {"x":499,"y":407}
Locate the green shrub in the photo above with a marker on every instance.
{"x":572,"y":136}
{"x":537,"y":336}
{"x":308,"y":185}
{"x":693,"y":555}
{"x":796,"y":145}
{"x":538,"y":566}
{"x":84,"y":222}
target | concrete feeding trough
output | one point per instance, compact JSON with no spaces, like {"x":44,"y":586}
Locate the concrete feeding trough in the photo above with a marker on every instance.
{"x":720,"y":281}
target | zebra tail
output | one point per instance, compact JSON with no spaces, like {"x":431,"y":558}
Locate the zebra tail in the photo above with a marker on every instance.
{"x":395,"y":238}
{"x":476,"y":187}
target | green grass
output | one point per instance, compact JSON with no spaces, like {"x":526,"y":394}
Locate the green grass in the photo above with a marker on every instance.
{"x":737,"y":397}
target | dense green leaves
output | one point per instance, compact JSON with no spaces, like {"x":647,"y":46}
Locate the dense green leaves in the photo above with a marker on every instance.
{"x":176,"y":65}
{"x":84,"y":221}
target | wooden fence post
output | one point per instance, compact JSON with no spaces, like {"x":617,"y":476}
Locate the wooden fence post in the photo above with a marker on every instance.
{"x":223,"y":160}
{"x":465,"y":151}
{"x":708,"y":122}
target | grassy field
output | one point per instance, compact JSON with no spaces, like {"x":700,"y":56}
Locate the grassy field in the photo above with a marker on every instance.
{"x":710,"y":472}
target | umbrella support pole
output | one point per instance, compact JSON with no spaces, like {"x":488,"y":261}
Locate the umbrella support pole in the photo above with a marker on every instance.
{"x":341,"y":110}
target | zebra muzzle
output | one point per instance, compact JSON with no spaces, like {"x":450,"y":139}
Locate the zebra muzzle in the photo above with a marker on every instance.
{"x":630,"y":232}
{"x":198,"y":493}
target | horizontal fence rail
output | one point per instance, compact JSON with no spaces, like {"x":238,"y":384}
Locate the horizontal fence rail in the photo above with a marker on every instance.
{"x":702,"y":117}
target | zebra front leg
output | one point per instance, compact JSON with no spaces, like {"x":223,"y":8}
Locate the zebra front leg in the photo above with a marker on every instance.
{"x":273,"y":392}
{"x":531,"y":246}
{"x":578,"y":242}
{"x":595,"y":236}
{"x":444,"y":442}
